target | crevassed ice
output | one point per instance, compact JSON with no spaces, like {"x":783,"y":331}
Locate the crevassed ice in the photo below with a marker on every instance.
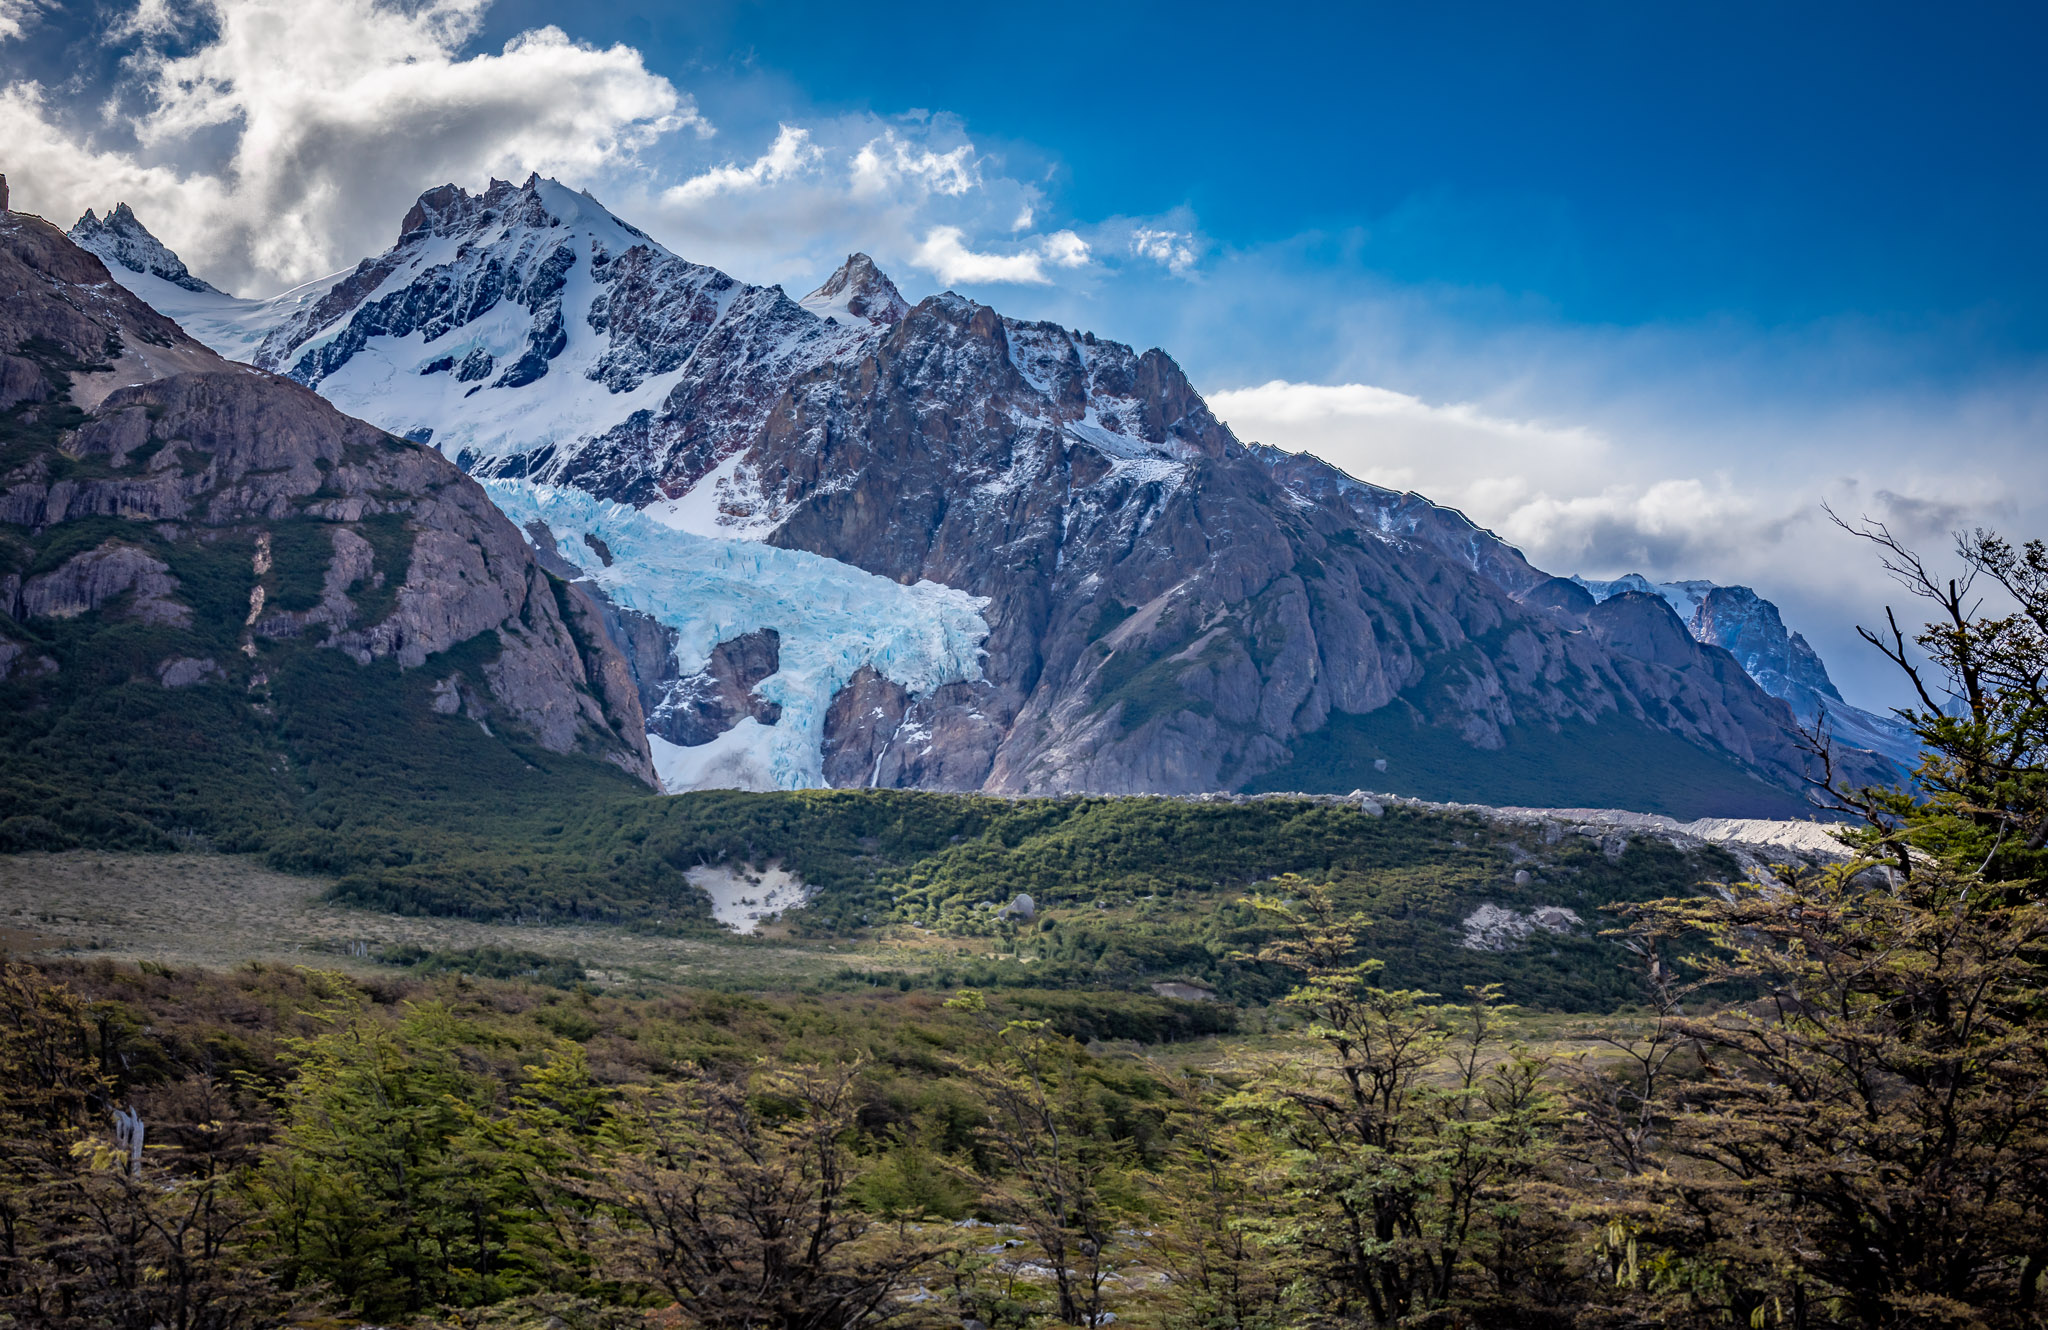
{"x":833,"y":618}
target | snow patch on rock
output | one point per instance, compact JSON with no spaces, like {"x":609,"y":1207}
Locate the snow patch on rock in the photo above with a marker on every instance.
{"x":746,"y":897}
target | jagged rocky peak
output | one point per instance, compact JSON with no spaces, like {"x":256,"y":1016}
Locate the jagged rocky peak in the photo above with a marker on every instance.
{"x":121,"y":240}
{"x":447,"y":210}
{"x":1746,"y":624}
{"x":859,"y":290}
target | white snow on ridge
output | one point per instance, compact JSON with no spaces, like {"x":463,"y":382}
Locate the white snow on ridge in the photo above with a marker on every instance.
{"x":833,"y":618}
{"x":1683,"y":597}
{"x":227,"y":325}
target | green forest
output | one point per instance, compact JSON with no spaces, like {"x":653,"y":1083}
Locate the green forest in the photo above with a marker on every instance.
{"x":1819,"y":1099}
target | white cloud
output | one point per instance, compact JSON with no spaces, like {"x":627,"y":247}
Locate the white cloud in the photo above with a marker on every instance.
{"x":1403,"y":442}
{"x":16,"y":15}
{"x":1064,"y":249}
{"x":888,"y":162}
{"x":944,"y":252}
{"x":150,"y":18}
{"x":335,"y":116}
{"x":1173,"y":250}
{"x":791,"y":154}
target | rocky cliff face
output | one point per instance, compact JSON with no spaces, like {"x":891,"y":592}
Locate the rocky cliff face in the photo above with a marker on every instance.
{"x":142,"y":478}
{"x":1750,"y":628}
{"x":1167,"y":609}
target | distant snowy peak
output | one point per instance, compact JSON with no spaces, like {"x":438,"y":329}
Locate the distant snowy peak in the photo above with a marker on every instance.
{"x":1781,"y":661}
{"x":1683,"y":597}
{"x":859,"y":290}
{"x":120,"y":241}
{"x":527,"y":332}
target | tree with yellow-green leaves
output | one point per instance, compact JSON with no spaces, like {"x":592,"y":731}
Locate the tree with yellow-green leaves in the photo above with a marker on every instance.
{"x":1053,"y":1168}
{"x":1409,"y":1130}
{"x":730,"y":1193}
{"x":1860,"y":1133}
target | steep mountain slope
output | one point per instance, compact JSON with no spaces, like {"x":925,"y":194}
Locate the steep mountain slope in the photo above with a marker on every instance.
{"x":1734,"y":618}
{"x":1167,"y":609}
{"x":223,"y":603}
{"x":1407,"y":519}
{"x":1779,"y":659}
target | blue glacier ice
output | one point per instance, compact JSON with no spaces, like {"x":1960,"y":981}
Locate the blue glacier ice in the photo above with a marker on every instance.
{"x":833,"y":618}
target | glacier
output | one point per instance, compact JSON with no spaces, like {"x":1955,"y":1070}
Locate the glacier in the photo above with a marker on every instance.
{"x":833,"y":618}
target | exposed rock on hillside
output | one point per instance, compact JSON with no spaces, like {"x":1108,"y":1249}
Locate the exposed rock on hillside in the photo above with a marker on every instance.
{"x":356,"y":541}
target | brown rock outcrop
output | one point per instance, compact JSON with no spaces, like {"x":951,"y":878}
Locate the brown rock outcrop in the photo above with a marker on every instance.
{"x":697,"y":709}
{"x":192,"y":444}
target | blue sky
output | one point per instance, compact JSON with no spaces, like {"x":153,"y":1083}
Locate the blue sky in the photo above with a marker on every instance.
{"x":1614,"y":162}
{"x":1638,"y":286}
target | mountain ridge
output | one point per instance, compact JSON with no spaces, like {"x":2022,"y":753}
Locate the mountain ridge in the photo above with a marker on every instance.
{"x":1170,"y":609}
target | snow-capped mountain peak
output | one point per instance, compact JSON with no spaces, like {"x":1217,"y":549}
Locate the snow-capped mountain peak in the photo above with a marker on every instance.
{"x":121,"y":241}
{"x":526,"y":331}
{"x":859,"y":290}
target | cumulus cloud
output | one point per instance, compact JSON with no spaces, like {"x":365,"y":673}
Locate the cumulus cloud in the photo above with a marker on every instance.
{"x":790,"y":154}
{"x":1172,"y":250}
{"x":1064,"y":249}
{"x":885,"y":164}
{"x":333,"y":116}
{"x":944,"y":252}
